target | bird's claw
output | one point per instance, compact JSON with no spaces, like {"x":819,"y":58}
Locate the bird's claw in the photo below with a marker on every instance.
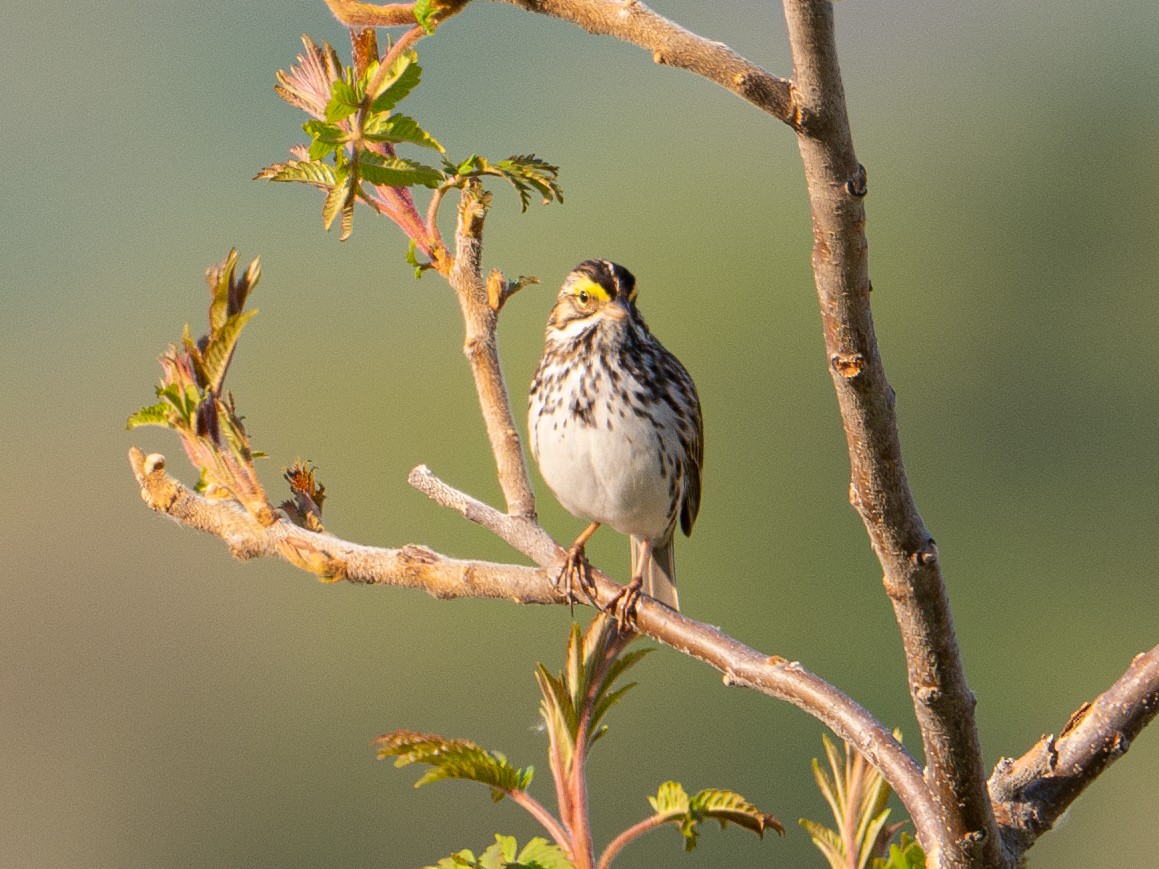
{"x":623,"y":605}
{"x":576,"y":573}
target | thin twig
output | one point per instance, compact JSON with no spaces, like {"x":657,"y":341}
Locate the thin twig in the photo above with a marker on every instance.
{"x":545,"y":818}
{"x":638,"y":829}
{"x":670,"y":44}
{"x":481,"y":347}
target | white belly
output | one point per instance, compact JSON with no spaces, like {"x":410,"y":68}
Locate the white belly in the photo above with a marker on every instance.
{"x":613,"y":478}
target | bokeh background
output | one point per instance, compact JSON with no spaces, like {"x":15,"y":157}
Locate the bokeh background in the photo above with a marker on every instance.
{"x":163,"y":705}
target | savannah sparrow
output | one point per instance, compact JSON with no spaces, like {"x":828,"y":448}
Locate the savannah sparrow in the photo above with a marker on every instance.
{"x":615,"y":427}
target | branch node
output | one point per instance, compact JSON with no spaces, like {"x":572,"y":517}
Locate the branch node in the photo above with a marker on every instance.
{"x":928,"y":695}
{"x":927,"y":555}
{"x":412,"y":552}
{"x":857,"y":185}
{"x":848,"y":365}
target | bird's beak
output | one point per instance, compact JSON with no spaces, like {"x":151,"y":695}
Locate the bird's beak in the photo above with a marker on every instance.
{"x":618,"y":309}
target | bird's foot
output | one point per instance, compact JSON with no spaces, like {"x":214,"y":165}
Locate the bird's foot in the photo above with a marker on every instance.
{"x":576,"y":573}
{"x":623,"y":605}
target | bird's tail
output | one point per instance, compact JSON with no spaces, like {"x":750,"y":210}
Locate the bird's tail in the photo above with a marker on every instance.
{"x":659,"y":572}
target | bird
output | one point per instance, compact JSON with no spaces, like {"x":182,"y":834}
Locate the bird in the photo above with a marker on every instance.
{"x":616,"y":429}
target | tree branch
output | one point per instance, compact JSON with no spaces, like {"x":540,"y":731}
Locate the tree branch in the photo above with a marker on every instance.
{"x":670,"y":44}
{"x":482,"y":350}
{"x":879,"y":490}
{"x":1032,"y":792}
{"x":328,"y":556}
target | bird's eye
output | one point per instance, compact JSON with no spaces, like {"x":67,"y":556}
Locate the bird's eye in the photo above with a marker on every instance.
{"x":583,"y":297}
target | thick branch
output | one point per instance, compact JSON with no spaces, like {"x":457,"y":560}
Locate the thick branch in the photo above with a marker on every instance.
{"x":482,"y":349}
{"x":670,"y":44}
{"x":1032,"y":792}
{"x":879,"y":489}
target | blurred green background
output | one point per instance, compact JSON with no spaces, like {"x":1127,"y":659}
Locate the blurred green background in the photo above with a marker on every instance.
{"x":164,"y":705}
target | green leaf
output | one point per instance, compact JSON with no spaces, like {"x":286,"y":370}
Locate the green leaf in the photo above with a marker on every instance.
{"x":729,"y":807}
{"x":396,"y":171}
{"x":307,"y":171}
{"x":526,"y":173}
{"x":398,"y":129}
{"x":324,"y":132}
{"x":499,"y":855}
{"x":402,"y":78}
{"x":670,"y":798}
{"x":344,"y":101}
{"x":154,"y":414}
{"x":326,"y":138}
{"x":537,"y":854}
{"x":183,"y":400}
{"x":904,"y":854}
{"x":827,"y":842}
{"x":672,"y":803}
{"x":858,"y":797}
{"x":425,"y":12}
{"x":542,"y":854}
{"x":219,"y":350}
{"x":454,"y":758}
{"x":340,"y":197}
{"x":412,"y":259}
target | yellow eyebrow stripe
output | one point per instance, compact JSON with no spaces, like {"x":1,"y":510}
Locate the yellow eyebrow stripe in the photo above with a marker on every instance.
{"x":591,"y":288}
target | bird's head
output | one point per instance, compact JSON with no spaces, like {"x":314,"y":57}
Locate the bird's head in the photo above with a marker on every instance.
{"x":595,"y":291}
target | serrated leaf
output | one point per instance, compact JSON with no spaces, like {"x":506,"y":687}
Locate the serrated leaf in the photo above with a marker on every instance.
{"x":672,"y":803}
{"x":827,"y":842}
{"x":307,"y":171}
{"x":858,"y":797}
{"x":344,"y":101}
{"x":325,"y":138}
{"x":336,"y":200}
{"x":396,"y":171}
{"x":527,"y":173}
{"x":472,"y":165}
{"x":542,"y":854}
{"x":219,"y":351}
{"x":220,"y":279}
{"x":729,"y":807}
{"x":868,"y":834}
{"x":904,"y":854}
{"x":671,"y":797}
{"x":454,"y":758}
{"x":323,"y":132}
{"x":402,"y":78}
{"x":154,"y":414}
{"x":498,"y":855}
{"x":398,"y":129}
